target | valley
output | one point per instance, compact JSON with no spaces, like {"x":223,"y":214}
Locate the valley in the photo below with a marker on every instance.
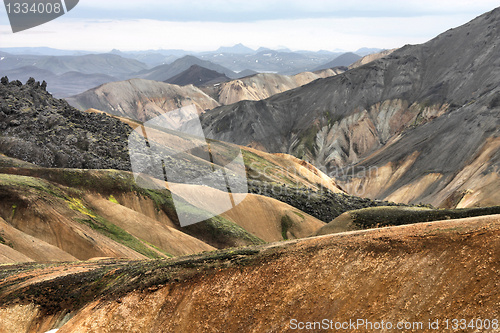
{"x":247,"y":190}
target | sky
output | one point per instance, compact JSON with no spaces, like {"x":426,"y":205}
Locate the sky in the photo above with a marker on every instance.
{"x":201,"y":25}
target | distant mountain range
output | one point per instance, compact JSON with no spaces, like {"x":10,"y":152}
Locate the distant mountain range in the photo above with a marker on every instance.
{"x":63,"y":85}
{"x":71,"y":72}
{"x":68,"y":75}
{"x":108,"y":64}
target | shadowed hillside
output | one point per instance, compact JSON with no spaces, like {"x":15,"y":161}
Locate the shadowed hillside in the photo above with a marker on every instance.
{"x":198,"y":76}
{"x":419,"y":125}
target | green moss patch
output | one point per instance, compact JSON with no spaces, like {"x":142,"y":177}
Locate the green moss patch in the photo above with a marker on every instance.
{"x":286,"y":224}
{"x":30,"y":183}
{"x":113,"y":199}
{"x":119,"y":235}
{"x":390,"y":216}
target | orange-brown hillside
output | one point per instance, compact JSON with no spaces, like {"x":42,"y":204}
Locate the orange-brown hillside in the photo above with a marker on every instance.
{"x":414,"y":273}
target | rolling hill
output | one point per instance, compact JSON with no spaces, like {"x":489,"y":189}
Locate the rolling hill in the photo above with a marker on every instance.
{"x":410,"y":275}
{"x":141,"y":99}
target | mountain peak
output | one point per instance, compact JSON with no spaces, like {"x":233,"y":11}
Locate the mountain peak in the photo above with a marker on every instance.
{"x":236,"y":49}
{"x":197,"y":75}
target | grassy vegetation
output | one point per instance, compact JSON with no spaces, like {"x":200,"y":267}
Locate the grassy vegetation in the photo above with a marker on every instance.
{"x":113,"y":199}
{"x":9,"y":162}
{"x":212,"y":228}
{"x":286,"y":224}
{"x":110,"y":230}
{"x":298,"y":214}
{"x":14,"y":207}
{"x":77,"y":204}
{"x":119,"y":235}
{"x":308,"y":139}
{"x":30,"y":183}
{"x":170,"y":255}
{"x":332,"y":118}
{"x":390,"y":216}
{"x":221,"y":228}
{"x":266,"y":168}
{"x":114,"y":278}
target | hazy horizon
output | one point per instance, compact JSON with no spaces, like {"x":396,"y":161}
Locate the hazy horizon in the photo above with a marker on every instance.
{"x":100,"y":26}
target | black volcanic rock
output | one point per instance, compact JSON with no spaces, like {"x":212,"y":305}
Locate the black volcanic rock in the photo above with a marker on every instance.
{"x":198,"y":76}
{"x":37,"y":128}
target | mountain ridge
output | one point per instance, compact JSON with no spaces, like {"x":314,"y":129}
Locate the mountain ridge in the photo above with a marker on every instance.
{"x":198,"y":76}
{"x":385,"y":108}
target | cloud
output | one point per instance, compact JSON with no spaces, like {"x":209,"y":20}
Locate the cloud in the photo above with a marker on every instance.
{"x":263,"y":10}
{"x":312,"y":34}
{"x":98,"y":25}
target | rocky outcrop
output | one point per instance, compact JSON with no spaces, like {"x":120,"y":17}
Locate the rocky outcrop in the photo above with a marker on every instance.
{"x":37,"y":128}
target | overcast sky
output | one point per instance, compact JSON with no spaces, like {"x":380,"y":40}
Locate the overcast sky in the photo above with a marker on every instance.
{"x":102,"y":25}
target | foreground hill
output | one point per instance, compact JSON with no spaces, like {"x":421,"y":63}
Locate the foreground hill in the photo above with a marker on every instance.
{"x":412,"y":274}
{"x":424,"y":118}
{"x":68,"y":214}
